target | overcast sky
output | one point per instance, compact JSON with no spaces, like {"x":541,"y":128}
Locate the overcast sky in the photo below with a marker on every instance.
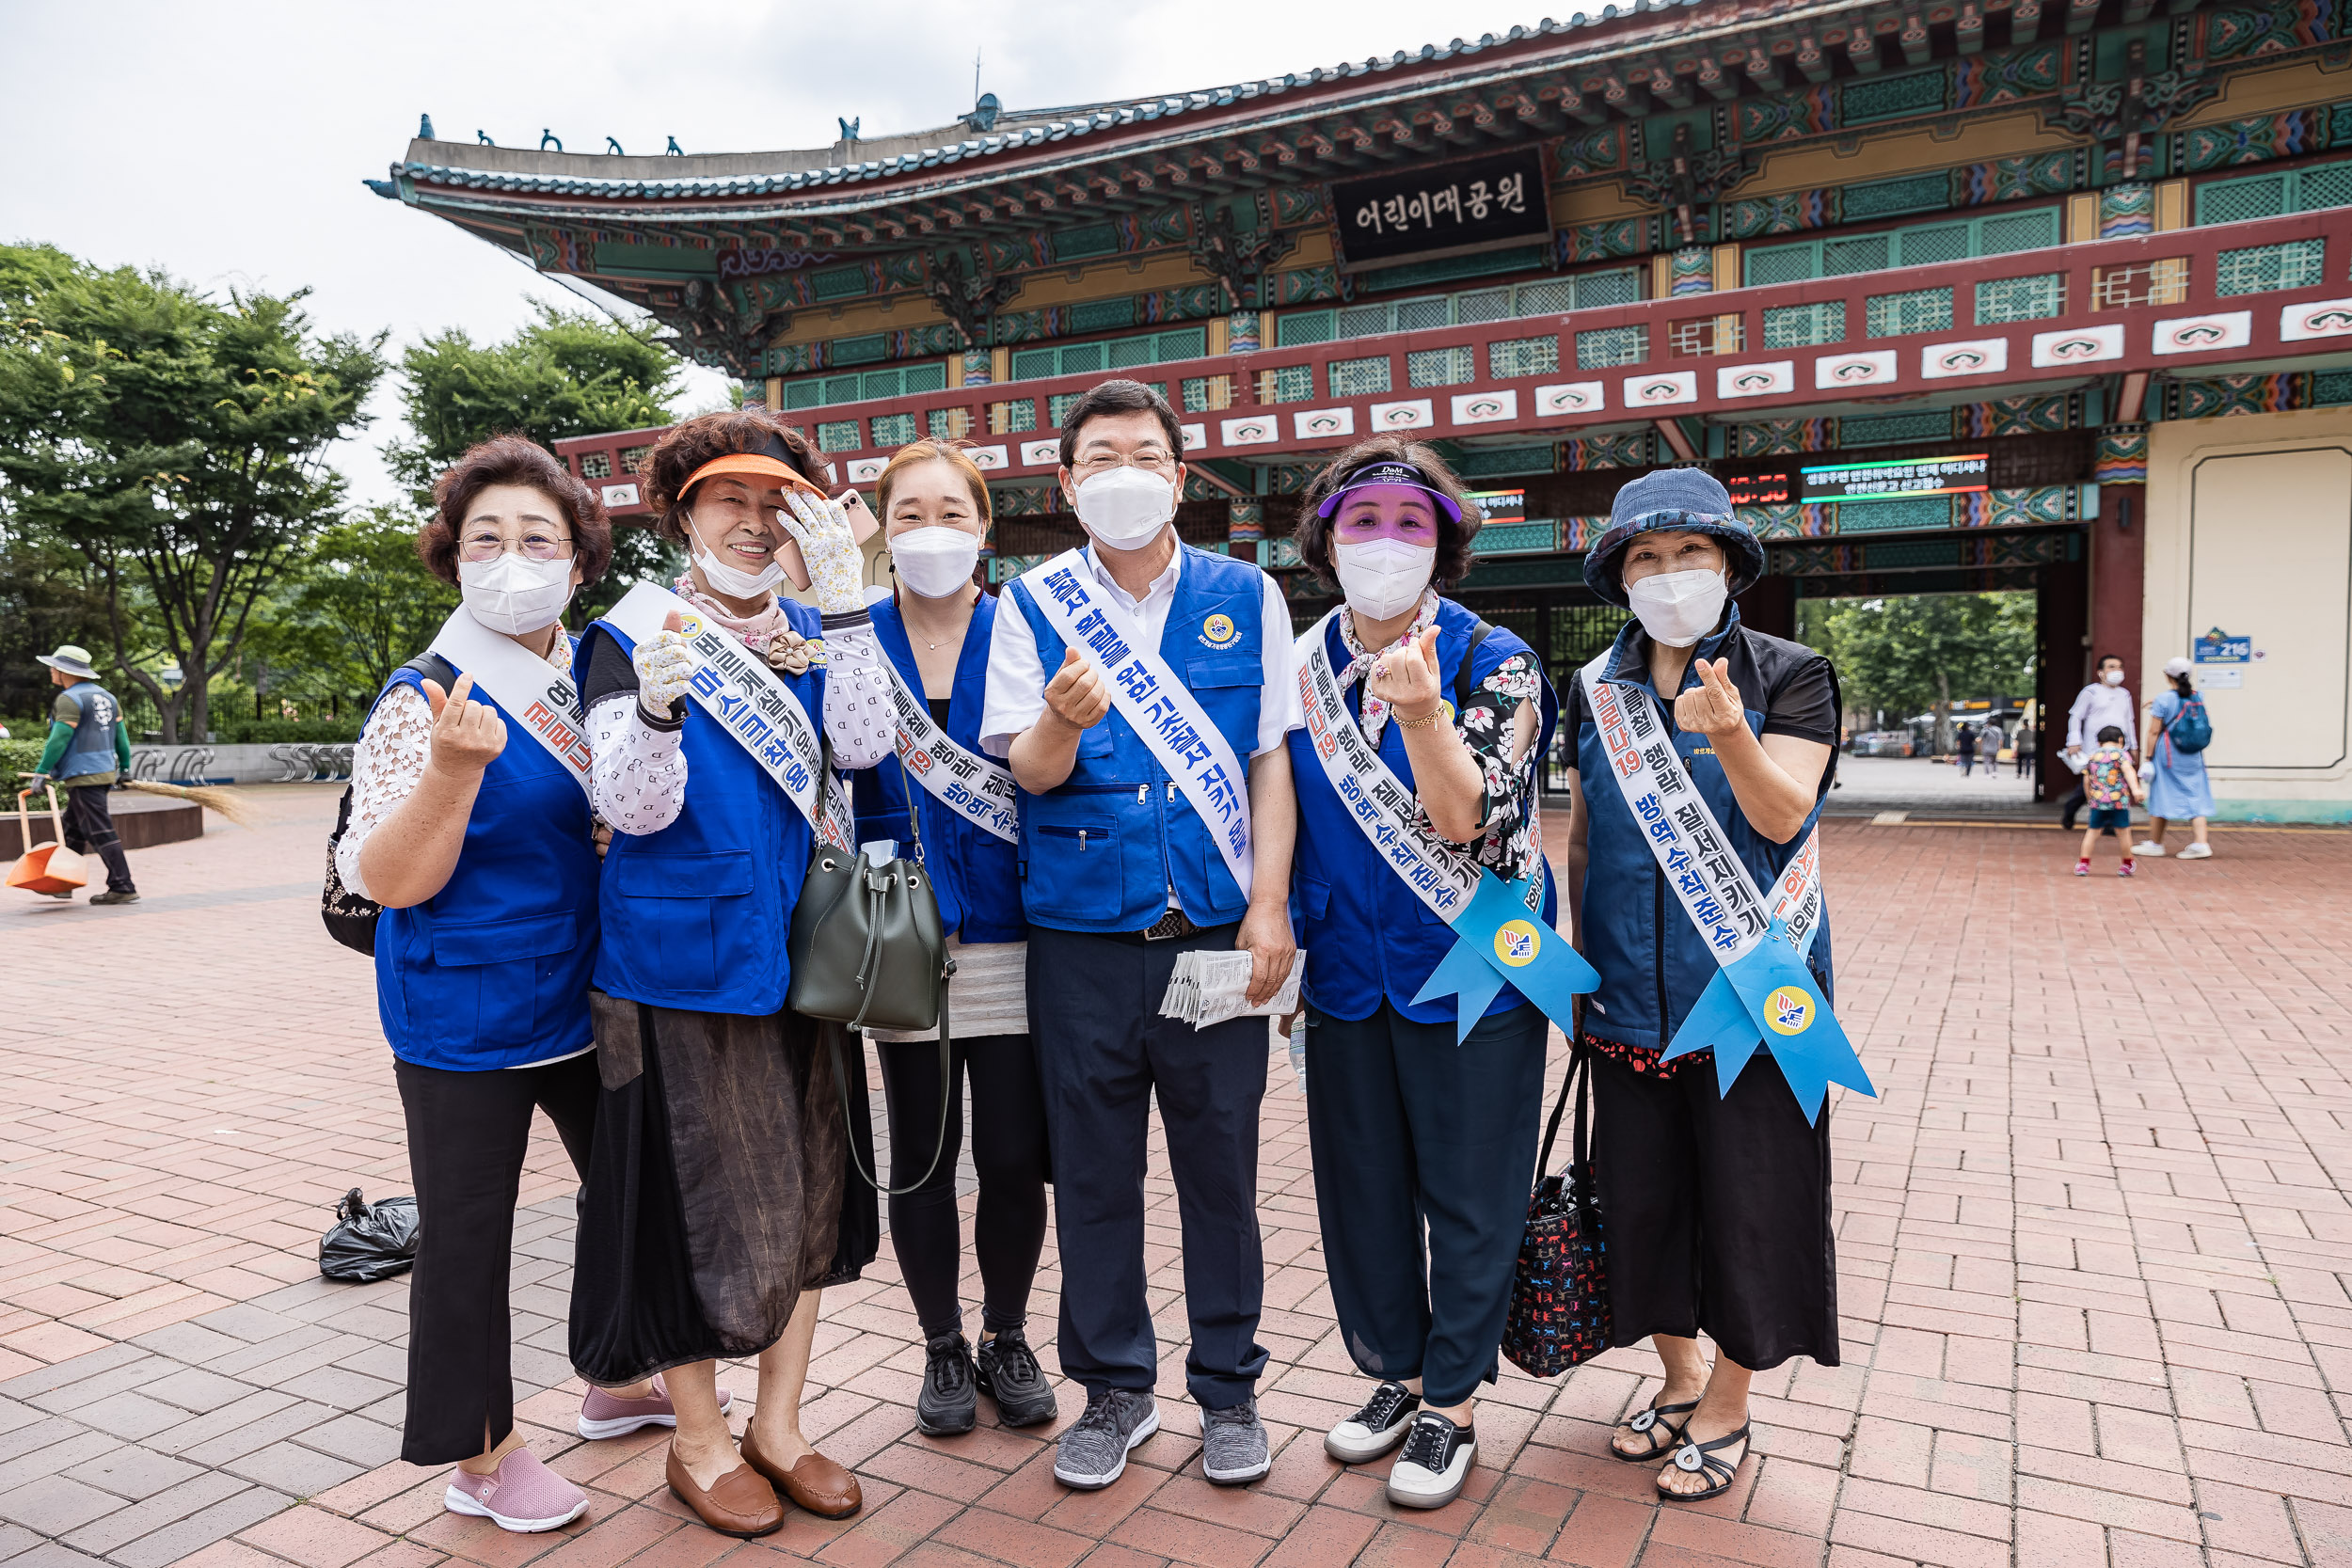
{"x":225,"y":140}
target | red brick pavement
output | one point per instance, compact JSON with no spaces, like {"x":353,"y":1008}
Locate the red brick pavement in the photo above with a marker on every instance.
{"x":2092,"y":1248}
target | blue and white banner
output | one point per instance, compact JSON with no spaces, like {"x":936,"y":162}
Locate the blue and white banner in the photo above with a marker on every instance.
{"x":752,"y":702}
{"x":1154,"y":701}
{"x":1503,"y":936}
{"x":1762,"y":993}
{"x":973,"y":786}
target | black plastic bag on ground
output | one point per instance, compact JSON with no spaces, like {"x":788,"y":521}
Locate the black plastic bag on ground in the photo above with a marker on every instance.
{"x":369,"y":1240}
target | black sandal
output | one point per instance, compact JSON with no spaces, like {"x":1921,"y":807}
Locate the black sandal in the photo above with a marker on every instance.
{"x":1699,"y":1459}
{"x":1647,"y":1422}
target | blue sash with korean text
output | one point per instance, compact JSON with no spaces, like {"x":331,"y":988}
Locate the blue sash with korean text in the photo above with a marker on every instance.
{"x":1155,"y":702}
{"x":752,"y":704}
{"x":1762,"y":993}
{"x":1503,"y":935}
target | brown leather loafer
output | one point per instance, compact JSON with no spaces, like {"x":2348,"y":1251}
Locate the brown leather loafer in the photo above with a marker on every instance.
{"x":740,"y":1504}
{"x":816,"y":1484}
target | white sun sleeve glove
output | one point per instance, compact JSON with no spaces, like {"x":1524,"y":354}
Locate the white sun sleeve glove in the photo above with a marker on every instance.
{"x":836,"y":567}
{"x":664,"y":664}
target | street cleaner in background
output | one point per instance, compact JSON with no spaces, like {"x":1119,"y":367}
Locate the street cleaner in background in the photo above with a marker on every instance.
{"x":1703,"y":751}
{"x":89,"y":749}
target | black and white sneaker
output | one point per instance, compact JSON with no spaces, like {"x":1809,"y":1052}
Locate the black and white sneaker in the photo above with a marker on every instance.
{"x":947,"y":1405}
{"x":1375,"y":1429}
{"x":1436,"y":1461}
{"x":1009,"y":1376}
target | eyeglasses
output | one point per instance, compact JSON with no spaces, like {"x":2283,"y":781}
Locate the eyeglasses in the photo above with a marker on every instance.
{"x":1149,"y":459}
{"x":538,"y":542}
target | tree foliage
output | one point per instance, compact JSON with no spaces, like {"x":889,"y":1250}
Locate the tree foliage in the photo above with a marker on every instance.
{"x":177,"y":443}
{"x":1920,"y":652}
{"x":566,"y":373}
{"x":362,"y":606}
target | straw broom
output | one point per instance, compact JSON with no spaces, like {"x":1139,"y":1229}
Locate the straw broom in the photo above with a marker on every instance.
{"x":211,"y":796}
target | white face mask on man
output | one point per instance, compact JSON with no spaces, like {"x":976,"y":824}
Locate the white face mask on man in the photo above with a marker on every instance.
{"x":733,"y":581}
{"x":1678,"y":609}
{"x":1382,"y":579}
{"x":935,"y":562}
{"x":515,"y":594}
{"x":2113,"y":677}
{"x":1125,"y":508}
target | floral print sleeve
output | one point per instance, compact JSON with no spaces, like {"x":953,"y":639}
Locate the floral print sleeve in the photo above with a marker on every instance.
{"x":1511,"y":843}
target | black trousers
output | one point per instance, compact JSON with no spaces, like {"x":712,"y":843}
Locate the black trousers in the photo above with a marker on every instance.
{"x":1106,"y":1055}
{"x":468,"y":1133}
{"x":89,"y":830}
{"x":1717,"y":1211}
{"x":1008,"y":1154}
{"x":1412,"y":1133}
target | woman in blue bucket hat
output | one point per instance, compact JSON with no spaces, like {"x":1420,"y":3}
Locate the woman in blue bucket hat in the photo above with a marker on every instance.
{"x":1716,"y":1199}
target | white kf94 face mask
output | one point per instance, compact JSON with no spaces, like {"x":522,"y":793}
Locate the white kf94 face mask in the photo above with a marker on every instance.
{"x":1382,"y":577}
{"x":1124,"y":507}
{"x":935,"y":562}
{"x":1678,"y":609}
{"x":515,"y":594}
{"x":733,"y":581}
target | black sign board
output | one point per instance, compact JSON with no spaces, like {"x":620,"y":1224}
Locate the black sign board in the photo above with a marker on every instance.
{"x":1427,"y":210}
{"x":1958,"y":474}
{"x":1776,"y":488}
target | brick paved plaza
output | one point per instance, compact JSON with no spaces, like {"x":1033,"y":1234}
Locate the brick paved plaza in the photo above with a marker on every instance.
{"x":2093,"y":1244}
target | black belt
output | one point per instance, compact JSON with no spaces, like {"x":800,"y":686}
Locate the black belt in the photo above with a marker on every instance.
{"x":1170,"y":926}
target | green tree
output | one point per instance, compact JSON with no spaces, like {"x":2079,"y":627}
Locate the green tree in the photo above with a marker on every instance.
{"x":177,"y":443}
{"x":1922,"y":651}
{"x":360,"y":606}
{"x":566,"y":373}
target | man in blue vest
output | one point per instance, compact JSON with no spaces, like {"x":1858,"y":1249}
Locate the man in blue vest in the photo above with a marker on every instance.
{"x":1138,"y":844}
{"x":88,"y":748}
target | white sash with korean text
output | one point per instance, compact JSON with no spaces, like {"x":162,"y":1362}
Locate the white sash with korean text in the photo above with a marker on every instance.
{"x":535,"y":696}
{"x":1442,"y":874}
{"x":1155,"y":703}
{"x":975,"y":788}
{"x":1691,"y":846}
{"x":751,"y":701}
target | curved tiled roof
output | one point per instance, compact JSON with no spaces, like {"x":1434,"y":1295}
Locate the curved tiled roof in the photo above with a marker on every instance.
{"x":1107,"y":117}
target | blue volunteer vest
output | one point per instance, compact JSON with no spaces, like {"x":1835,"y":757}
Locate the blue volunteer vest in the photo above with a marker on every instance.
{"x":1367,"y":937}
{"x":696,"y":916}
{"x":1653,"y":963}
{"x":1101,"y":853}
{"x":92,"y":748}
{"x":976,"y":874}
{"x":492,"y":970}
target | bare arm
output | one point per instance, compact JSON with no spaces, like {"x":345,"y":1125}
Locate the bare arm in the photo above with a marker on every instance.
{"x":412,"y":853}
{"x":1265,"y":929}
{"x":1580,"y":856}
{"x":1774,"y":778}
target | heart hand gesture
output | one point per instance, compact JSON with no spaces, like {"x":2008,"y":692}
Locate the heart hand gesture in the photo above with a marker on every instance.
{"x":1713,"y":706}
{"x":467,"y":735}
{"x":1077,"y":695}
{"x":1405,"y":678}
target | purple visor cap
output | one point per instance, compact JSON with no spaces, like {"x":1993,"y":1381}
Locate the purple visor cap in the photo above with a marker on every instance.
{"x":1389,"y":473}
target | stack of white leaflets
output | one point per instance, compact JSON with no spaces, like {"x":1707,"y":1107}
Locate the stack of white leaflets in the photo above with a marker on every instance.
{"x":1210,"y":988}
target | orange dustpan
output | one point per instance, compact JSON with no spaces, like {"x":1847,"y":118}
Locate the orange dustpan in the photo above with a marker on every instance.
{"x":48,"y":867}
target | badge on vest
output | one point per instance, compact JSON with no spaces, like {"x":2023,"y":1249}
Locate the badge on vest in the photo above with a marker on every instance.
{"x":1219,"y":631}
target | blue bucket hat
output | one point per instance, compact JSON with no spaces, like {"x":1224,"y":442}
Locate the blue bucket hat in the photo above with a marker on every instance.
{"x":1682,"y":500}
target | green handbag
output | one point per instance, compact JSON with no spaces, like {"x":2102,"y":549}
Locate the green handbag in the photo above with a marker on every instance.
{"x":867,"y":950}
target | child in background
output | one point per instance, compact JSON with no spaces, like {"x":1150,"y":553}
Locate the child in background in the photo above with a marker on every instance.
{"x":2110,"y":784}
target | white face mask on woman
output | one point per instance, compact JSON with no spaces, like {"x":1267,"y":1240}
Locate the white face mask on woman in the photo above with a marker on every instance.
{"x":1124,"y":507}
{"x":1382,"y":577}
{"x":935,"y":562}
{"x":733,"y":581}
{"x":1678,"y":609}
{"x":515,"y":594}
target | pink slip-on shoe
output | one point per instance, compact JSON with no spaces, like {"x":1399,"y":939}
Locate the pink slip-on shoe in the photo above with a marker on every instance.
{"x":521,"y":1495}
{"x":607,"y":1414}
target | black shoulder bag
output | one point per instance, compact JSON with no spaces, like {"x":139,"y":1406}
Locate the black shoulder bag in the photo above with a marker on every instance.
{"x":1559,"y":1316}
{"x":351,"y":919}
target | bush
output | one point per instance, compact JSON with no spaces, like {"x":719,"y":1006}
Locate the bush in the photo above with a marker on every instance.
{"x":275,"y":732}
{"x":17,"y":757}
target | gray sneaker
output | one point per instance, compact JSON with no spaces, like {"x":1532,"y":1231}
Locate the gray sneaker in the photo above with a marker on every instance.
{"x":1092,"y":1453}
{"x":1233,"y":1446}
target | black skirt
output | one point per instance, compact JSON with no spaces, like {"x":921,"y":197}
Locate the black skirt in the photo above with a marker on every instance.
{"x":713,"y":1196}
{"x":1717,"y":1210}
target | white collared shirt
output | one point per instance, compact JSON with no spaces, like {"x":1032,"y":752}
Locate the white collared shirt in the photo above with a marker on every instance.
{"x":2096,"y":707}
{"x":1017,"y":680}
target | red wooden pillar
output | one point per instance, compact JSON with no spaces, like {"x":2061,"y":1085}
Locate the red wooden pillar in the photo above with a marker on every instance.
{"x":2119,"y":552}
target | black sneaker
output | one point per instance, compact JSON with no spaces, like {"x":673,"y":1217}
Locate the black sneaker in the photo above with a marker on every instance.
{"x":947,"y":1405}
{"x":1375,"y":1429}
{"x":1009,"y":1374}
{"x":1435,"y":1464}
{"x":123,"y":897}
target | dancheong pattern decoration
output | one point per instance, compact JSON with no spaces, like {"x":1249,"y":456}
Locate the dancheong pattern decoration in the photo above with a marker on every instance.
{"x":2127,"y":210}
{"x":2247,"y":32}
{"x":2262,"y":138}
{"x":1623,"y":448}
{"x":1751,"y":216}
{"x":1302,"y":285}
{"x":1692,"y":271}
{"x":1597,"y":242}
{"x":2026,"y":415}
{"x":1773,"y":437}
{"x":2214,"y":397}
{"x":1601,"y":151}
{"x":2122,"y":454}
